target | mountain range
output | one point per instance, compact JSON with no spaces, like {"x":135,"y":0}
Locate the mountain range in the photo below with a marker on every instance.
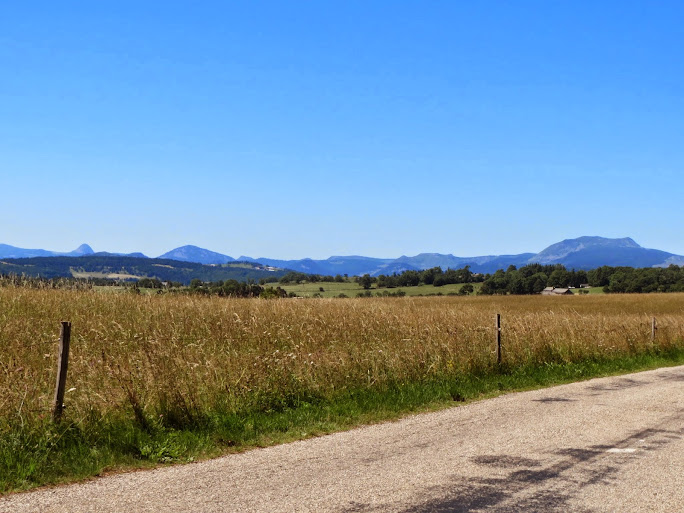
{"x":579,"y":253}
{"x":7,"y":251}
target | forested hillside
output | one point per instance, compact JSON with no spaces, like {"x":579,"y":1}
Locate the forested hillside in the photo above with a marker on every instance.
{"x":131,"y":268}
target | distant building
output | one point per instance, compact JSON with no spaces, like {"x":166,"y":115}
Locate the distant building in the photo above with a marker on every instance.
{"x":554,"y":291}
{"x":584,"y":285}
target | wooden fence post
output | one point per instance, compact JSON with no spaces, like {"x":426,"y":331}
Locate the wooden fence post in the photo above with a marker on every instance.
{"x":62,"y":364}
{"x":498,"y":339}
{"x":654,"y":328}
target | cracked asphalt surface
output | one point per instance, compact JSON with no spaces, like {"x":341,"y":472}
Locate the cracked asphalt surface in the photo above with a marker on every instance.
{"x":609,"y":444}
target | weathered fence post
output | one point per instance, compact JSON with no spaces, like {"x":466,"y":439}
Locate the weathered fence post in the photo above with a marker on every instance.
{"x":62,"y":364}
{"x":654,"y":328}
{"x":498,"y":339}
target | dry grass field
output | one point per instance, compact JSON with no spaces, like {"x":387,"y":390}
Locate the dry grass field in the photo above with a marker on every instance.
{"x":184,"y":354}
{"x":170,"y":361}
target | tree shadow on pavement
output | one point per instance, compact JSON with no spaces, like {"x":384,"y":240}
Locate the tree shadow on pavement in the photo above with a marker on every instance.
{"x":548,"y":486}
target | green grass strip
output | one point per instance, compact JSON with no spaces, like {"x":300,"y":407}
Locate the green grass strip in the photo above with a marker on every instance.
{"x":44,"y":454}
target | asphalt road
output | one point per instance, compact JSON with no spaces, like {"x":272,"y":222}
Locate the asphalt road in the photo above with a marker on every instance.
{"x":611,"y":444}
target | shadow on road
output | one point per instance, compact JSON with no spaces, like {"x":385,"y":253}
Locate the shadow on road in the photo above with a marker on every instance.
{"x":547,"y":485}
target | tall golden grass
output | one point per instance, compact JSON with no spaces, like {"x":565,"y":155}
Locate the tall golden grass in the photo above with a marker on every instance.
{"x":183,"y":355}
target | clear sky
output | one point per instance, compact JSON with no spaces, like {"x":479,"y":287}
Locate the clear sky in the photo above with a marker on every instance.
{"x":309,"y":129}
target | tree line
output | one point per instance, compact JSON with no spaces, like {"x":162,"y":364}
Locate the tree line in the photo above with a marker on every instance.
{"x":234,"y":288}
{"x":533,"y":278}
{"x":299,"y":277}
{"x":638,"y":280}
{"x":434,"y":276}
{"x":410,"y":278}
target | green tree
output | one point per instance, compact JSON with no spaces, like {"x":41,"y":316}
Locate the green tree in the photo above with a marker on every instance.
{"x":559,"y":278}
{"x":536,"y":283}
{"x":366,"y":281}
{"x":466,"y":289}
{"x":440,"y":280}
{"x":516,"y":282}
{"x":429,"y":275}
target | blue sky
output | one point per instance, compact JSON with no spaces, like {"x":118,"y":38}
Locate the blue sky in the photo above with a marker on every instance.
{"x":295,"y":129}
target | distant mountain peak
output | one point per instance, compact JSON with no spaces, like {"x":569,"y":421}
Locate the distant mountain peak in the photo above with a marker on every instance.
{"x":624,"y":242}
{"x":190,"y":253}
{"x":83,"y":249}
{"x":561,"y":250}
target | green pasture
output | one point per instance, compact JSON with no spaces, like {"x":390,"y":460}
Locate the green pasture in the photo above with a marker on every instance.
{"x":590,"y":290}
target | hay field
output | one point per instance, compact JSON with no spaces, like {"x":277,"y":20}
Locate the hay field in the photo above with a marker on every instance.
{"x":179,"y":357}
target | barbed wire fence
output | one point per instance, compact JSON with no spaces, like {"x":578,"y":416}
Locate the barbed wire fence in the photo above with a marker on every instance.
{"x":64,"y":340}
